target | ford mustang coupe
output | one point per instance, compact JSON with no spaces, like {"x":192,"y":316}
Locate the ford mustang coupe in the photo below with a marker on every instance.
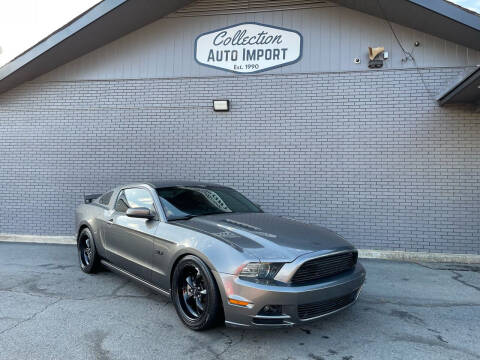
{"x":217,"y":254}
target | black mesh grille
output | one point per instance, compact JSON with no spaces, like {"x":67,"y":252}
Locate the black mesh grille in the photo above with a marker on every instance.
{"x":320,"y":268}
{"x":306,"y":311}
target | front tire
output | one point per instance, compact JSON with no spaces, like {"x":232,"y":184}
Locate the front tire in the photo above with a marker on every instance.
{"x":87,"y":253}
{"x":195,"y":294}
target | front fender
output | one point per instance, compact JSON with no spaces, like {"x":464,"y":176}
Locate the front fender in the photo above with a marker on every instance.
{"x":176,"y":242}
{"x":217,"y":254}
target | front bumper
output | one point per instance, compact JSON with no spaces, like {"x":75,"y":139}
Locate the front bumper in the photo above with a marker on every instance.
{"x":346,"y":286}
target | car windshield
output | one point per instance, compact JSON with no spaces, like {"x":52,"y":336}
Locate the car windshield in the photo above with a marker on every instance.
{"x":183,"y":202}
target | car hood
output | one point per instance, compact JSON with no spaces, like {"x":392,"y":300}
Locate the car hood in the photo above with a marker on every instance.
{"x":267,"y":237}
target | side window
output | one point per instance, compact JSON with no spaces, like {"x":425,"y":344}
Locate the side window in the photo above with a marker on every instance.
{"x":134,"y":198}
{"x":105,"y":199}
{"x":121,"y":205}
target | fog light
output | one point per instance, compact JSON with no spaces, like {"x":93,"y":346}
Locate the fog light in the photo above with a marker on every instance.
{"x":271,"y":310}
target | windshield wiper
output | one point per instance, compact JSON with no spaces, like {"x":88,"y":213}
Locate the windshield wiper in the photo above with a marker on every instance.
{"x":186,"y":217}
{"x":215,"y":213}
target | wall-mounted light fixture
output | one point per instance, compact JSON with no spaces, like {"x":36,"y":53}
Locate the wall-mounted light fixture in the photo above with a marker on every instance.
{"x":221,"y":105}
{"x":375,"y":55}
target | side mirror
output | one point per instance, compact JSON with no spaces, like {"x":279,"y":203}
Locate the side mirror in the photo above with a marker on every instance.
{"x":140,"y":212}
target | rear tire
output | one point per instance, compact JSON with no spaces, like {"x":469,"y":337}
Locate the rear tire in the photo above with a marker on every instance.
{"x":87,"y":253}
{"x":195,"y":294}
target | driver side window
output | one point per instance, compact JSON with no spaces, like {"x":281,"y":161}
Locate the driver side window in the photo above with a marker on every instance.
{"x":134,"y":198}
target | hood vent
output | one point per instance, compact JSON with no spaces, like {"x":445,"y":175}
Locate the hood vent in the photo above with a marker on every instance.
{"x":243,"y":225}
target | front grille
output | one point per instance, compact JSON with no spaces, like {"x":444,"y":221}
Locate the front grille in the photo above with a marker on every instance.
{"x":306,"y":311}
{"x":323,"y":267}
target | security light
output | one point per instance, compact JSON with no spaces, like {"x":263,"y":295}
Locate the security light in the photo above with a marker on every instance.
{"x":221,"y":105}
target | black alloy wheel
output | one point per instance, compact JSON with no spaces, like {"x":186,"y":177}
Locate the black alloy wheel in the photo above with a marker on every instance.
{"x":194,"y":299}
{"x":195,"y":294}
{"x":86,"y":251}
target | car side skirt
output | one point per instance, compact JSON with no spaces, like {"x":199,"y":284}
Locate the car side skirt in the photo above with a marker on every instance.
{"x":120,"y":271}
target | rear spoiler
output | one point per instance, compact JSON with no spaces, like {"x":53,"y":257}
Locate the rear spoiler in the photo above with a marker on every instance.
{"x":89,"y":198}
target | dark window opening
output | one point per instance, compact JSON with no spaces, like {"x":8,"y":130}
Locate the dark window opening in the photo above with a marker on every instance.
{"x":187,"y":201}
{"x":105,"y":199}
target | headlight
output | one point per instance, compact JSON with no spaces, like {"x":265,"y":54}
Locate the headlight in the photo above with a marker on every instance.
{"x":260,"y":271}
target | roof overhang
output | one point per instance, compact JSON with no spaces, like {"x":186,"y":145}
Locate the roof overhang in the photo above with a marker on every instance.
{"x":103,"y":23}
{"x":436,"y":17}
{"x":112,"y":19}
{"x":467,"y":90}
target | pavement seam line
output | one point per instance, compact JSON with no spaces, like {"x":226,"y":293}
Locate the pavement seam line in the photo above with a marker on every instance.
{"x":30,"y":317}
{"x":458,"y":277}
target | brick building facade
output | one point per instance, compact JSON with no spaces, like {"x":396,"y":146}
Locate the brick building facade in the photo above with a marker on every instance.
{"x":367,"y":153}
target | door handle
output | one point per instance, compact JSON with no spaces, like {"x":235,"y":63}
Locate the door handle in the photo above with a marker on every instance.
{"x":110,"y":220}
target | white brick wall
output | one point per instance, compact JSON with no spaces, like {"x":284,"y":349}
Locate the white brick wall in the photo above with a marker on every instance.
{"x":368,"y":154}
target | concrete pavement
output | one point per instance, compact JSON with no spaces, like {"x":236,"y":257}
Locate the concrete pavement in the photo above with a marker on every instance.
{"x":49,"y":309}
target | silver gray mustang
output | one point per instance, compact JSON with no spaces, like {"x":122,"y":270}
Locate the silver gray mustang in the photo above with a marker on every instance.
{"x":217,"y":254}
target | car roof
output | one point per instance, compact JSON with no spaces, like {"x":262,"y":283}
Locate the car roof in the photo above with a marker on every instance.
{"x":171,"y":183}
{"x":159,"y":184}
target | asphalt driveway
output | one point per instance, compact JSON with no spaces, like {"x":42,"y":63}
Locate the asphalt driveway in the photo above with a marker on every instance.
{"x":49,"y":309}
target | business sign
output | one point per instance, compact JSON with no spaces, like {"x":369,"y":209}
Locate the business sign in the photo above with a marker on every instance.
{"x":248,"y":48}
